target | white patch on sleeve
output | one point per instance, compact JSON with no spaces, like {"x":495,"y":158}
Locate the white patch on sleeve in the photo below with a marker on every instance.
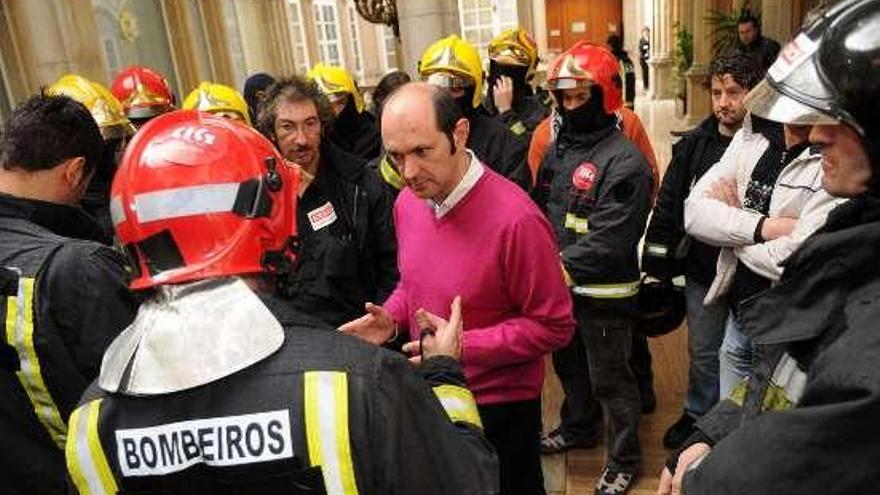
{"x":223,"y":441}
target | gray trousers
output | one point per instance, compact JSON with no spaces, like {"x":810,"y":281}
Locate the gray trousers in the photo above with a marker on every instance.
{"x":597,"y":379}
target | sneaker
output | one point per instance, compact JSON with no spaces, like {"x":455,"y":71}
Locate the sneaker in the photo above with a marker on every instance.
{"x":614,"y":482}
{"x":558,"y":441}
{"x":679,"y":431}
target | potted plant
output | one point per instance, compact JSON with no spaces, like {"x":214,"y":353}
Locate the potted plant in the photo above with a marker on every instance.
{"x":684,"y":58}
{"x":725,"y":37}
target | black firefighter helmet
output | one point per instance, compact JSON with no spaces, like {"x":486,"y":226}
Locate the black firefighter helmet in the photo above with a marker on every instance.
{"x":661,"y":307}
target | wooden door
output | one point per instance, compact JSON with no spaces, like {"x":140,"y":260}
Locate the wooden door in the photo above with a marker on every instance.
{"x":569,"y":21}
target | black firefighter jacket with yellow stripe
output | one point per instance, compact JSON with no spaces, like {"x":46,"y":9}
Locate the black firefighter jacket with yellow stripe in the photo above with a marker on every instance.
{"x":596,"y":191}
{"x":326,"y":413}
{"x":64,"y":300}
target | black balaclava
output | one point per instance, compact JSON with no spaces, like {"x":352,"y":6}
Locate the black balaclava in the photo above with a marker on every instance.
{"x":517,"y":74}
{"x":466,"y":102}
{"x":347,"y":120}
{"x":255,"y":84}
{"x":587,"y":118}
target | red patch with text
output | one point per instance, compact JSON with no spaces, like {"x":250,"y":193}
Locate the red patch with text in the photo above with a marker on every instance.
{"x":584,"y":177}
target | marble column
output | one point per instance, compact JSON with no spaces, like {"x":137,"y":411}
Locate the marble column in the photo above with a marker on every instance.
{"x":423,"y":22}
{"x":662,"y":50}
{"x":699,"y":103}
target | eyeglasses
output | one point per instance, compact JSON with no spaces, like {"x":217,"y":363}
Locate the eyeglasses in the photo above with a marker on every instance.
{"x":311,"y":127}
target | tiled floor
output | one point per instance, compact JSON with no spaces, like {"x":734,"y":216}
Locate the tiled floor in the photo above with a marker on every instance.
{"x":575,"y":473}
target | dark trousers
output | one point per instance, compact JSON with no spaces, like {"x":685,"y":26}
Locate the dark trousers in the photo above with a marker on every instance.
{"x":514,"y":429}
{"x":644,"y":64}
{"x":597,"y":379}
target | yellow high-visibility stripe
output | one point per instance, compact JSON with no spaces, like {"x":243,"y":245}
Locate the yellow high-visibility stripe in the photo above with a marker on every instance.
{"x":343,"y":440}
{"x":656,"y":249}
{"x":459,"y":404}
{"x":608,"y":291}
{"x":327,"y":431}
{"x":71,"y":454}
{"x":86,"y":460}
{"x":518,"y":128}
{"x":97,"y":451}
{"x":313,"y":435}
{"x":20,"y":335}
{"x":579,"y":225}
{"x":389,"y":174}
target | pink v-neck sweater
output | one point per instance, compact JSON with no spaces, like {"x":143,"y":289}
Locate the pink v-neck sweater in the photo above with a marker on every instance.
{"x":496,"y":250}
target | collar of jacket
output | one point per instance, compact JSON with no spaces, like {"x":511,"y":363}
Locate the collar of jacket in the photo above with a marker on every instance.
{"x":587,"y":140}
{"x":708,"y":127}
{"x":772,"y":131}
{"x":188,"y":335}
{"x":63,"y":220}
{"x":819,"y":277}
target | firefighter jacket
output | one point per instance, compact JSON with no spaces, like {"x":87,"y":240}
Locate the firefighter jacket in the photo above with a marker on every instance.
{"x":64,"y":300}
{"x":806,"y":419}
{"x":596,"y":192}
{"x":325,"y":413}
{"x":348,"y":251}
{"x":499,"y":148}
{"x":524,"y":117}
{"x":668,"y":252}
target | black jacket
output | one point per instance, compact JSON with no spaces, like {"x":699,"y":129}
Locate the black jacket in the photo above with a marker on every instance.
{"x":358,"y":134}
{"x":666,"y":253}
{"x":806,"y":420}
{"x":525,"y":115}
{"x":596,"y":192}
{"x":64,"y":300}
{"x":352,"y":259}
{"x":763,"y":51}
{"x":499,"y":148}
{"x":265,"y":429}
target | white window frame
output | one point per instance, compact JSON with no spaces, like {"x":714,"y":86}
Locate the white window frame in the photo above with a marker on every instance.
{"x":298,"y":35}
{"x":495,"y":24}
{"x":356,"y":43}
{"x":384,"y":36}
{"x":322,"y":42}
{"x":237,"y":56}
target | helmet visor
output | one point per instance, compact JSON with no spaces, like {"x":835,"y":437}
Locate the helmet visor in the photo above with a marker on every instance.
{"x":445,"y":80}
{"x":568,"y":83}
{"x":765,"y":101}
{"x":794,"y":92}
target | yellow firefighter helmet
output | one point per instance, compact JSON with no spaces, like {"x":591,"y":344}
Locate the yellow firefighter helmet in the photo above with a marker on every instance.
{"x":336,"y":83}
{"x":104,"y":107}
{"x":453,"y":63}
{"x":218,"y":99}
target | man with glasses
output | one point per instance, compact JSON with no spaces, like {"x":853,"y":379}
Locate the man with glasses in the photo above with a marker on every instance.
{"x":348,"y":250}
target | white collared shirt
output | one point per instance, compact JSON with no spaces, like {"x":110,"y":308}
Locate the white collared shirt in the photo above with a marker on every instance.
{"x":468,"y":181}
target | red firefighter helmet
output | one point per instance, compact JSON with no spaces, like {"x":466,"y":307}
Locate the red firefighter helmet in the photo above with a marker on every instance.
{"x":143,"y":92}
{"x":585,"y":64}
{"x":199,"y":196}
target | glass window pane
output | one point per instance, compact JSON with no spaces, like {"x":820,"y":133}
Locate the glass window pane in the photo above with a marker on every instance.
{"x":150,"y":48}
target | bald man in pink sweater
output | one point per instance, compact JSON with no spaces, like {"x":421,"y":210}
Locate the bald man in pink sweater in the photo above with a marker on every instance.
{"x":464,"y":230}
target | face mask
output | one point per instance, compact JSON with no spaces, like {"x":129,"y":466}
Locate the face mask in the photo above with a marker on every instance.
{"x":587,"y":118}
{"x":347,"y":118}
